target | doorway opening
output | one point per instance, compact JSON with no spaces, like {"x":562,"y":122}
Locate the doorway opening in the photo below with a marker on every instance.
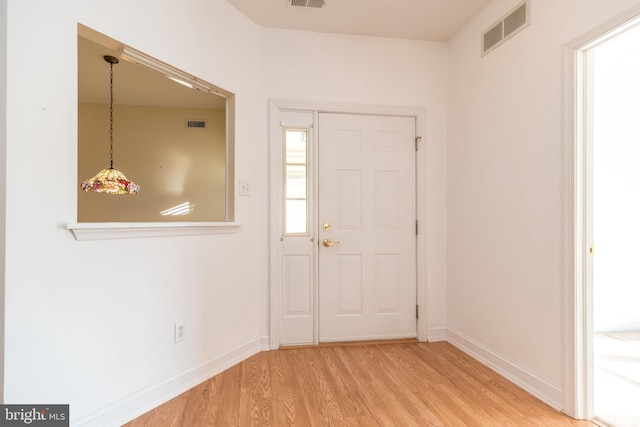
{"x":615,"y":174}
{"x":602,"y":351}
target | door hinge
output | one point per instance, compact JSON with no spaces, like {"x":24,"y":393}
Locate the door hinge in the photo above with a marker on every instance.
{"x":416,"y":228}
{"x":592,"y":249}
{"x":418,"y":138}
{"x":417,"y":312}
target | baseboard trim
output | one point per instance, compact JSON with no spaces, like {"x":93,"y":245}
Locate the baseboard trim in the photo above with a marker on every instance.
{"x":131,"y":407}
{"x":523,"y":378}
{"x":265,"y":343}
{"x":436,"y":334}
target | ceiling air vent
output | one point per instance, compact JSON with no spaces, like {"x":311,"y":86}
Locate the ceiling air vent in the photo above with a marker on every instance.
{"x":508,"y":26}
{"x":307,"y":3}
{"x":197,"y":124}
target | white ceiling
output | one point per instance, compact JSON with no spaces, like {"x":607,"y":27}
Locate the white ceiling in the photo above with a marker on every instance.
{"x":435,"y":20}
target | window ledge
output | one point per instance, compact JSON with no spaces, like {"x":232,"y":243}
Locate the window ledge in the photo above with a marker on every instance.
{"x":133,"y":230}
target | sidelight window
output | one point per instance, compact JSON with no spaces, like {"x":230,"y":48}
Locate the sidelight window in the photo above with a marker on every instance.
{"x":296,"y":182}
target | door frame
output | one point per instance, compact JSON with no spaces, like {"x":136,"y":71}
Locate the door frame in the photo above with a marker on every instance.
{"x":275,"y":174}
{"x":577,"y":217}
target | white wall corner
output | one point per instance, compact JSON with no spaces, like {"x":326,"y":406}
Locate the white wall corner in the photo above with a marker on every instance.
{"x":131,"y":407}
{"x":549,"y":393}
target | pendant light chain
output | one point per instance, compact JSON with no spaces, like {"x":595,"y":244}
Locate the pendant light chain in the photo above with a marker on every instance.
{"x":111,"y":116}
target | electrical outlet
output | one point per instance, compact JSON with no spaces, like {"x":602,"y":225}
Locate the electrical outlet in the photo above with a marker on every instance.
{"x":245,"y":188}
{"x":178,"y":332}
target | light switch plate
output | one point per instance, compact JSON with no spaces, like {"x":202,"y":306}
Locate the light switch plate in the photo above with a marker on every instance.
{"x":178,"y":332}
{"x":245,"y":188}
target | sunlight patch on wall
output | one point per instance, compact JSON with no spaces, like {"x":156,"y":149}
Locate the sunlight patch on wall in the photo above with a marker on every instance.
{"x":181,"y":209}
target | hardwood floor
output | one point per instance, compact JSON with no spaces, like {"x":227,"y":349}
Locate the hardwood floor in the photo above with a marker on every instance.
{"x":398,"y":384}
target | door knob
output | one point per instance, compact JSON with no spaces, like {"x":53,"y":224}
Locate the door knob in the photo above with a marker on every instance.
{"x":327,"y":242}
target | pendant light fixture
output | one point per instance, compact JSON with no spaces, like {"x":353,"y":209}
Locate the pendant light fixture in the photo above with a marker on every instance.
{"x":110,"y":181}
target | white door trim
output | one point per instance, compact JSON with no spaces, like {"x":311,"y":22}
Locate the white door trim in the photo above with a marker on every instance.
{"x":578,"y":316}
{"x":275,"y":174}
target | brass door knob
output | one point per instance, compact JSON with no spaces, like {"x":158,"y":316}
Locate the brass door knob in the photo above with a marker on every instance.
{"x":327,"y":242}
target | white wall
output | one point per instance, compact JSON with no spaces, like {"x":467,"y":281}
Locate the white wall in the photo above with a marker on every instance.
{"x":91,"y":323}
{"x":616,"y":278}
{"x":359,"y":70}
{"x":505,"y":187}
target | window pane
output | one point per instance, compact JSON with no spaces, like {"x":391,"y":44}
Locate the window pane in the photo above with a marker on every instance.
{"x":297,"y":146}
{"x":296,"y":222}
{"x":296,"y":182}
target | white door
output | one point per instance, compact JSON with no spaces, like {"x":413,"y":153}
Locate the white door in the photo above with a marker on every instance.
{"x":367,"y":227}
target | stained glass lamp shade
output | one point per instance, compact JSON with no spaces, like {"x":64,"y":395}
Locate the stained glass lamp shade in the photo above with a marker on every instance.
{"x":110,"y":181}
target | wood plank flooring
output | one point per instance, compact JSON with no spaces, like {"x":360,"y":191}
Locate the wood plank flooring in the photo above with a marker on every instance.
{"x":397,"y":384}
